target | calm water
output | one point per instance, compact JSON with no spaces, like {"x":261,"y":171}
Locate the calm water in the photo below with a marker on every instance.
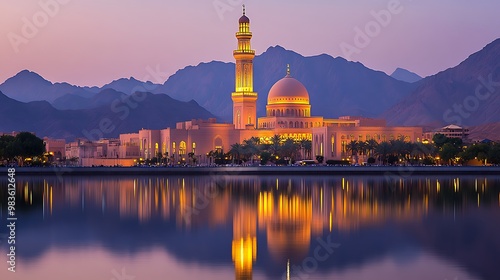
{"x":213,"y":228}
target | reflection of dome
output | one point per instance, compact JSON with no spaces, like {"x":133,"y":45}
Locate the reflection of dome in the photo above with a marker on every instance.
{"x":288,"y":241}
{"x":288,"y":91}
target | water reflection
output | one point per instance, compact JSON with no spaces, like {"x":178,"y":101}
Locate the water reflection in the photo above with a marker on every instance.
{"x":268,"y":223}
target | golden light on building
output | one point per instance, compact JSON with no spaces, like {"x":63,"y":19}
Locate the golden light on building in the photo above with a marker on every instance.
{"x":244,"y":99}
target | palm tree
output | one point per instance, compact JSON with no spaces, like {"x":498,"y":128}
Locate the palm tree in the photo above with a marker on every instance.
{"x":275,"y":145}
{"x":382,"y":150}
{"x":400,"y":148}
{"x":290,"y":149}
{"x":370,"y":146}
{"x":306,"y":146}
{"x":353,"y":147}
{"x":236,"y":151}
{"x":250,"y":148}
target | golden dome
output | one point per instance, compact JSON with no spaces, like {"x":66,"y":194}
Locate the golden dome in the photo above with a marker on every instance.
{"x":288,"y":91}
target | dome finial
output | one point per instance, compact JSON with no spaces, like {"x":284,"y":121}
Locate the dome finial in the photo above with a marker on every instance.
{"x":288,"y":69}
{"x":244,"y":10}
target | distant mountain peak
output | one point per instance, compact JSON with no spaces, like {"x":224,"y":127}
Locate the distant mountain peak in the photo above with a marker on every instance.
{"x":405,"y":75}
{"x":279,"y":49}
{"x":431,"y":104}
{"x":29,"y":76}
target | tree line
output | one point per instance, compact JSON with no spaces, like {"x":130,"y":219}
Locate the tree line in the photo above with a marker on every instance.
{"x":21,"y":147}
{"x":442,"y":150}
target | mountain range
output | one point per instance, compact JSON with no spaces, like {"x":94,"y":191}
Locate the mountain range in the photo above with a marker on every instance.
{"x":354,"y":88}
{"x":125,"y":114}
{"x":336,"y":87}
{"x":468,"y":94}
{"x":405,"y":75}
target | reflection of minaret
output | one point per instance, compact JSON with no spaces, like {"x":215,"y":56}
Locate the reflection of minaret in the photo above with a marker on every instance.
{"x":244,"y":241}
{"x":244,"y":99}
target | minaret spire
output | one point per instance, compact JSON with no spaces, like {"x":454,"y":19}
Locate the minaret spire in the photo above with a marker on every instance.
{"x":244,"y":98}
{"x":288,"y":69}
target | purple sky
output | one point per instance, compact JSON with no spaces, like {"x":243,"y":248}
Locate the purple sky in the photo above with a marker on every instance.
{"x":92,"y":42}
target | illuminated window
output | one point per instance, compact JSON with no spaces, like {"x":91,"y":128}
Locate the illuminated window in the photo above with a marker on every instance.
{"x":182,"y":148}
{"x":173,"y":147}
{"x":333,"y":145}
{"x":194,"y":148}
{"x":218,"y":144}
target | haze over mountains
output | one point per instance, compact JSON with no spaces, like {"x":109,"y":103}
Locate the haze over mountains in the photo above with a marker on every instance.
{"x":336,"y":86}
{"x":452,"y":96}
{"x":405,"y":75}
{"x":123,"y":115}
{"x":354,"y":88}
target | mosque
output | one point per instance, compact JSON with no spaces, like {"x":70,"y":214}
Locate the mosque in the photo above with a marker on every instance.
{"x":288,"y":114}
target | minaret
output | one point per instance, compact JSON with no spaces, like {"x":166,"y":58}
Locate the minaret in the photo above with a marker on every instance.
{"x":244,"y":99}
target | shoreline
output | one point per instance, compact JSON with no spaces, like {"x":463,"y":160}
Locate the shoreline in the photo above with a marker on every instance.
{"x":405,"y":171}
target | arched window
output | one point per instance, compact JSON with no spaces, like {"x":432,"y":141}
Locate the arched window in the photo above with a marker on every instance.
{"x":173,"y":147}
{"x":218,"y":144}
{"x":182,"y":148}
{"x":290,"y":125}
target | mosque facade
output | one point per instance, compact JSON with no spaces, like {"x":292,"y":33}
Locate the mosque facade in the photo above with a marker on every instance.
{"x":288,"y":114}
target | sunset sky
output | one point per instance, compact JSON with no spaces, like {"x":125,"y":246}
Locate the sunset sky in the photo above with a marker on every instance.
{"x":92,"y":42}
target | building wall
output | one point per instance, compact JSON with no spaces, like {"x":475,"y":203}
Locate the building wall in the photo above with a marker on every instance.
{"x":330,"y":142}
{"x":149,"y":143}
{"x":57,"y":147}
{"x":108,"y":162}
